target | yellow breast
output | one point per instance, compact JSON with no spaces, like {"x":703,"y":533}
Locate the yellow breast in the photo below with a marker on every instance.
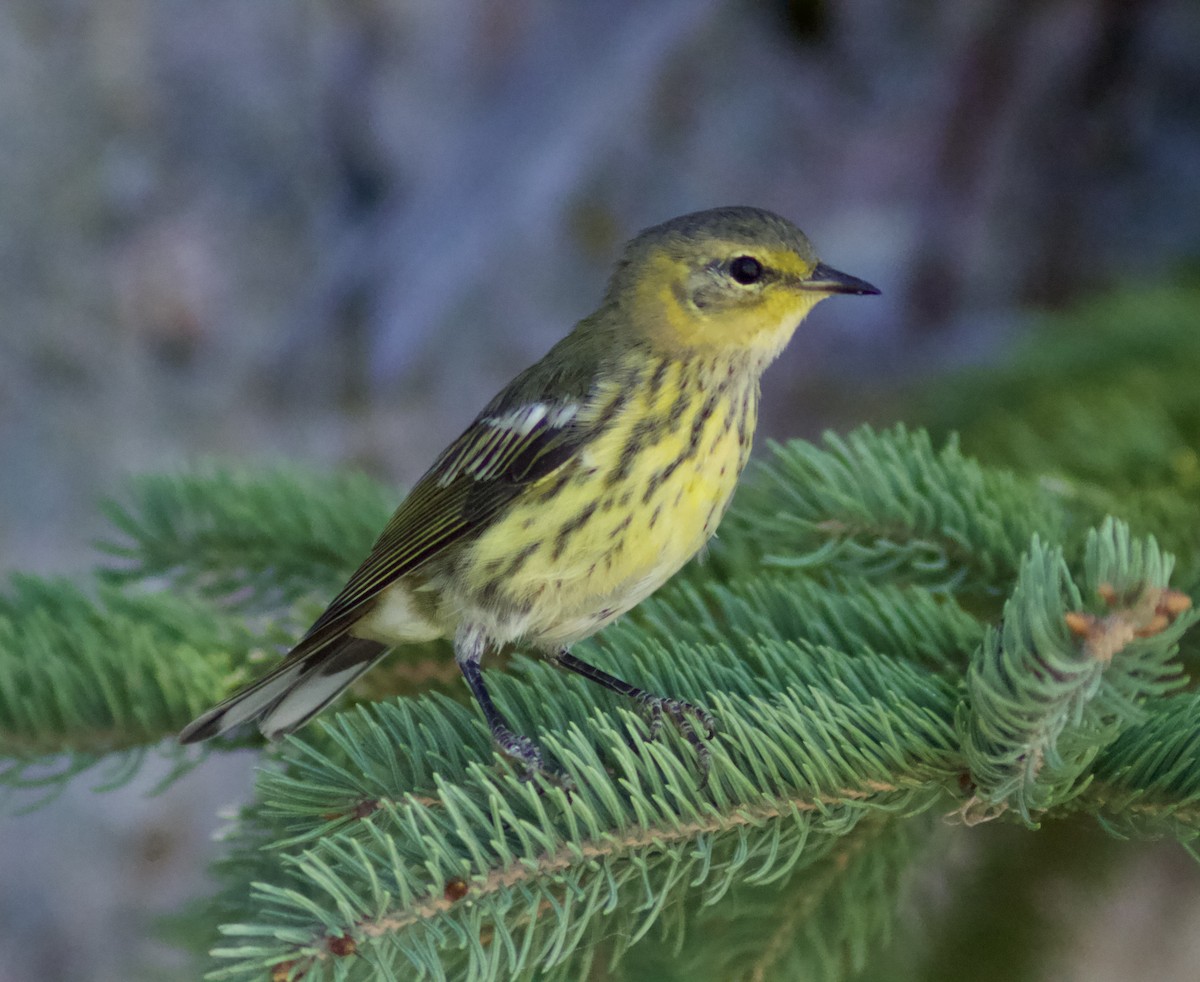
{"x":589,"y":542}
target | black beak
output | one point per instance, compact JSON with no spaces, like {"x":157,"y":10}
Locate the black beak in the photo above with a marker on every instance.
{"x":826,"y":279}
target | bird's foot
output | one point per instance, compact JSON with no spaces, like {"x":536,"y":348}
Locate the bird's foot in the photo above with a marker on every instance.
{"x":528,"y":755}
{"x":685,"y":716}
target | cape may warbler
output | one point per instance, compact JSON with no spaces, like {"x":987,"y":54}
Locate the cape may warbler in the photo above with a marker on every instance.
{"x":583,"y":486}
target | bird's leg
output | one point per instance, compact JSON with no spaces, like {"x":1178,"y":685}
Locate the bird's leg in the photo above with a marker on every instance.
{"x":469,"y":647}
{"x":656,"y":707}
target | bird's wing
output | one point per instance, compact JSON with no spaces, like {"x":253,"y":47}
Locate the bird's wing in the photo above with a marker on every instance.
{"x":513,"y":443}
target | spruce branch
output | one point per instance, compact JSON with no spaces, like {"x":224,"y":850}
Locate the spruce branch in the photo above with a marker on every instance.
{"x":889,"y":506}
{"x":844,"y":631}
{"x":1101,"y":401}
{"x":810,"y":762}
{"x":255,"y":540}
{"x":1147,"y":782}
{"x":885,"y":705}
{"x":94,"y":674}
{"x":850,"y":613}
{"x":823,"y":922}
{"x":1053,"y":684}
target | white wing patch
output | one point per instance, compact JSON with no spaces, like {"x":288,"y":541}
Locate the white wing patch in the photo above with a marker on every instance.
{"x":520,"y":421}
{"x":525,"y":420}
{"x":500,"y":437}
{"x":563,"y":415}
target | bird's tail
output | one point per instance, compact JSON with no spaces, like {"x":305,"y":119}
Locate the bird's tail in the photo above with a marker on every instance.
{"x":294,"y":692}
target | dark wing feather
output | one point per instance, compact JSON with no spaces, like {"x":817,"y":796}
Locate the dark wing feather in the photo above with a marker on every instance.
{"x":475,"y":477}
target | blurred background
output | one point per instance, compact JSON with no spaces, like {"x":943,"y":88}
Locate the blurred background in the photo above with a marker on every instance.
{"x":328,"y":231}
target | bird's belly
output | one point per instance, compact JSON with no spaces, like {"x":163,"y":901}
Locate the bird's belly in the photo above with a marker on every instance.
{"x":602,"y":545}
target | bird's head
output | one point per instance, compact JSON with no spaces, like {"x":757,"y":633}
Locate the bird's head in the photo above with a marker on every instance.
{"x":733,"y":280}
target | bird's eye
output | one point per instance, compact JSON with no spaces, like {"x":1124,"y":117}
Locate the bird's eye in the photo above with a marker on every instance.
{"x":746,"y":270}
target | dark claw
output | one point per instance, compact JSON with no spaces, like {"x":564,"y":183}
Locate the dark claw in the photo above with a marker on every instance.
{"x":682,"y":714}
{"x":524,"y":751}
{"x":519,"y":748}
{"x":655,"y":706}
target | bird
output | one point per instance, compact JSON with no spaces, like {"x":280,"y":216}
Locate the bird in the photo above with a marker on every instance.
{"x":581,"y":488}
